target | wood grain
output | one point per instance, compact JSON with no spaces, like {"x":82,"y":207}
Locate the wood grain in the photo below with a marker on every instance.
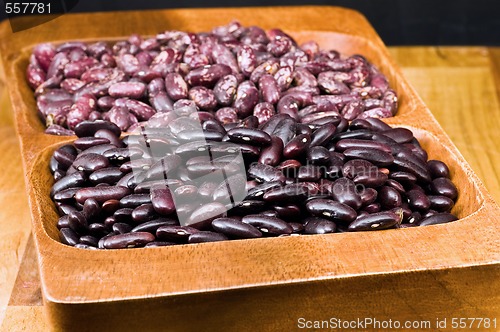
{"x":466,"y":73}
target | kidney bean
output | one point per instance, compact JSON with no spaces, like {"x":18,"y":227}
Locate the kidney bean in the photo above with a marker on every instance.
{"x":344,"y":191}
{"x":119,"y":116}
{"x":439,"y":218}
{"x":90,"y":162}
{"x":234,"y":228}
{"x":68,"y":236}
{"x":268,"y":225}
{"x":109,"y":175}
{"x":250,"y":136}
{"x":208,"y":75}
{"x":73,"y":180}
{"x":348,"y":143}
{"x":294,"y":192}
{"x":309,"y":173}
{"x":443,"y":186}
{"x":202,"y":217}
{"x":418,"y":200}
{"x":438,"y":169}
{"x":375,"y":221}
{"x":353,"y":109}
{"x":246,"y":98}
{"x":121,"y":228}
{"x":265,"y":173}
{"x":128,"y":240}
{"x":378,"y":112}
{"x":271,"y":155}
{"x":422,"y":174}
{"x":440,"y":203}
{"x":315,"y":225}
{"x":162,"y":200}
{"x":389,"y":197}
{"x":101,"y":194}
{"x":134,"y":200}
{"x":323,"y":134}
{"x":270,"y":66}
{"x":375,"y":156}
{"x":87,"y":128}
{"x":330,"y":209}
{"x":206,"y":236}
{"x":143,"y":213}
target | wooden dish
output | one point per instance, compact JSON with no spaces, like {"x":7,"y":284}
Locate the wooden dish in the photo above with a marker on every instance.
{"x":264,"y":284}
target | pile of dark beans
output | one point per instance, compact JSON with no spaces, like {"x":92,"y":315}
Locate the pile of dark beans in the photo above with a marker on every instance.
{"x":324,"y":177}
{"x":231,"y":72}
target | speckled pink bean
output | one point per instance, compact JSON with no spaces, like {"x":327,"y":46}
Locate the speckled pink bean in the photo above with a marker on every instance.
{"x":141,"y":110}
{"x":204,"y":98}
{"x":226,"y":115}
{"x":175,"y":86}
{"x":247,"y":96}
{"x":133,"y":90}
{"x":207,"y":76}
{"x":283,"y":77}
{"x":246,"y":60}
{"x":269,"y":89}
{"x":225,"y":89}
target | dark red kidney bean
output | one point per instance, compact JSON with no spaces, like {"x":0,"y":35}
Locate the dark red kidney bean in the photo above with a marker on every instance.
{"x":65,"y":208}
{"x":186,"y":192}
{"x":201,"y":169}
{"x":121,"y":228}
{"x":101,"y":194}
{"x":417,"y":150}
{"x":368,"y":196}
{"x":323,"y":134}
{"x":247,"y":96}
{"x":163,"y":166}
{"x":175,"y":233}
{"x":152,"y":225}
{"x":207,"y":75}
{"x":202,"y":217}
{"x":315,"y":225}
{"x":375,"y":156}
{"x":271,"y":155}
{"x":206,"y":236}
{"x":203,"y":97}
{"x":396,"y":185}
{"x":269,"y":89}
{"x":288,"y":212}
{"x":295,"y":192}
{"x":231,"y":189}
{"x":90,"y":162}
{"x":356,"y":134}
{"x":110,"y":206}
{"x":372,"y":179}
{"x":331,"y":210}
{"x":156,"y":244}
{"x":235,"y":228}
{"x":88,"y":128}
{"x":225,"y":90}
{"x":403,"y":177}
{"x":248,"y":206}
{"x":356,"y":167}
{"x":65,"y":195}
{"x":265,"y":173}
{"x":400,"y":135}
{"x":438,"y":218}
{"x":270,"y":125}
{"x":285,"y":130}
{"x":213,"y":125}
{"x":162,"y":200}
{"x":375,"y":221}
{"x":302,"y":128}
{"x":110,"y":136}
{"x":413,"y":219}
{"x":324,"y":120}
{"x":438,"y":169}
{"x":418,"y":200}
{"x":91,"y":208}
{"x":73,"y":180}
{"x":297,"y":227}
{"x":89,"y":240}
{"x":349,"y":143}
{"x":259,"y":190}
{"x":443,"y":186}
{"x":372,"y":208}
{"x":68,"y":236}
{"x":128,"y":240}
{"x":429,"y":213}
{"x":143,"y":213}
{"x":250,"y":136}
{"x":309,"y":173}
{"x":134,"y":200}
{"x":268,"y":225}
{"x":318,"y":155}
{"x":63,"y":158}
{"x":297,"y":146}
{"x":389,"y":197}
{"x":440,"y":203}
{"x":344,"y":191}
{"x":196,"y":135}
{"x":121,"y":215}
{"x":402,"y":164}
{"x":84,"y":143}
{"x":77,"y":221}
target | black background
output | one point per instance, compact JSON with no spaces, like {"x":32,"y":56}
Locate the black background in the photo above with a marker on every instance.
{"x":398,"y":22}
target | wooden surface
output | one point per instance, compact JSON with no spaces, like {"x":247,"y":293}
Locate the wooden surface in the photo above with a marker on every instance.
{"x":461,"y":87}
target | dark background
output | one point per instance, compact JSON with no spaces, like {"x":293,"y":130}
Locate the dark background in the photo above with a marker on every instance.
{"x":398,"y":22}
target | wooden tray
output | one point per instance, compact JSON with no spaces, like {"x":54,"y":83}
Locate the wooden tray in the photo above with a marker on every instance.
{"x":264,"y":284}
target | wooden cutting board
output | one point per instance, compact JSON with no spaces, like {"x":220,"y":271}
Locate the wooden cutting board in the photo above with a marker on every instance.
{"x":469,"y":120}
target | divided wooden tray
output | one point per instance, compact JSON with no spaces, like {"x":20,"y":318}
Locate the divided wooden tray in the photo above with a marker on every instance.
{"x":264,"y":284}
